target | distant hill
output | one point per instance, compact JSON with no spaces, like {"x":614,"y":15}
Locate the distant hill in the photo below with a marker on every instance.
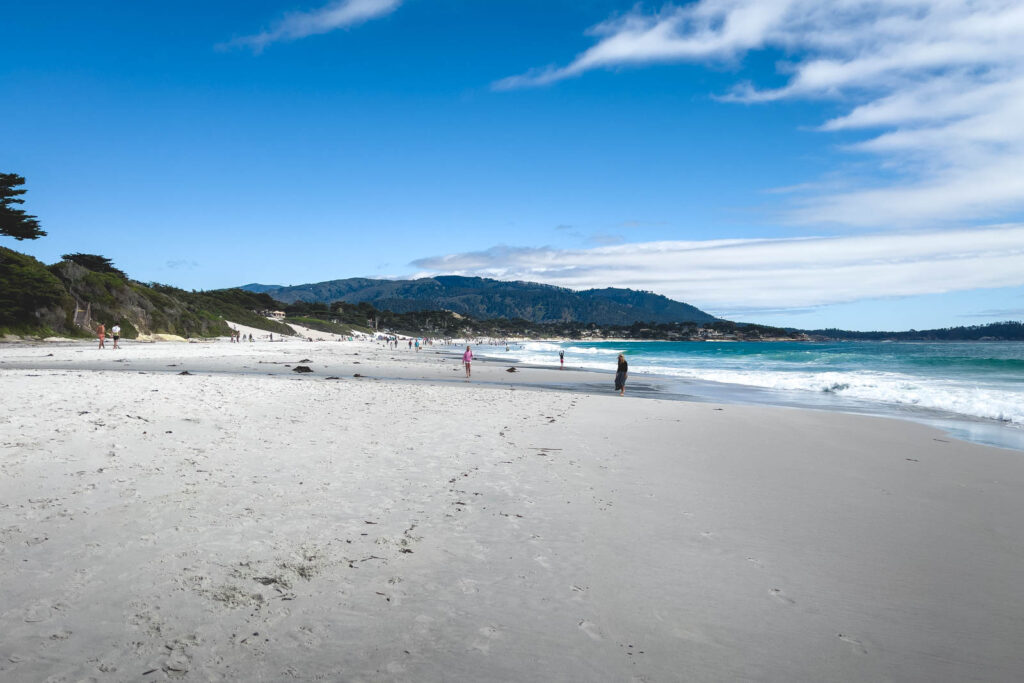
{"x":483,"y":298}
{"x":1009,"y":330}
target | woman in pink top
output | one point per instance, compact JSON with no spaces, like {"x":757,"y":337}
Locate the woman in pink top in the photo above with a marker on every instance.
{"x":467,"y":358}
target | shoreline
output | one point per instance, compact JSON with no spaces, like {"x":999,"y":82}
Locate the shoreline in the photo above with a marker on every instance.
{"x":974,"y":429}
{"x":982,"y":431}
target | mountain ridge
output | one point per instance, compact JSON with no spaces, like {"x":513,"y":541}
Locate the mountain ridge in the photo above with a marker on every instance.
{"x":485,"y":298}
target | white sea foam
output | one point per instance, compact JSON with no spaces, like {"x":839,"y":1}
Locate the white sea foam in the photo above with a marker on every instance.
{"x":1004,"y":403}
{"x":542,"y":346}
{"x":542,"y":350}
{"x":591,"y":351}
{"x":955,"y":397}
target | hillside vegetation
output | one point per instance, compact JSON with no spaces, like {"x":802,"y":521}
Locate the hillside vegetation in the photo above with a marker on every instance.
{"x":366,"y":317}
{"x":486,"y":299}
{"x":70,"y":299}
{"x":31,"y":297}
{"x":1008,"y":330}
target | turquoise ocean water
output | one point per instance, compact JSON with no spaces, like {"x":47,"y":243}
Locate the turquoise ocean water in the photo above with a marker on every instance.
{"x":978,"y":384}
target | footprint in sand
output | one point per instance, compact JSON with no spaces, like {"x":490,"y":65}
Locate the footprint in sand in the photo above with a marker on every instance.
{"x":38,"y":612}
{"x":146,"y":620}
{"x":76,"y":585}
{"x":307,"y":637}
{"x":856,"y":644}
{"x":542,"y":561}
{"x":489,"y":634}
{"x":178,"y":660}
{"x":591,"y":629}
{"x":782,"y":597}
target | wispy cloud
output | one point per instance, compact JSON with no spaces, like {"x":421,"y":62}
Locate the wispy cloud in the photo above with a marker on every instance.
{"x":745,"y":313}
{"x":937,"y":85}
{"x":605,"y":238}
{"x":768,"y":274}
{"x":995,"y":313}
{"x":719,"y":29}
{"x":330,"y":17}
{"x":177,"y":264}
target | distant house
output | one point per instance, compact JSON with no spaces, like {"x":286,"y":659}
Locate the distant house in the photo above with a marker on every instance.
{"x":277,"y":315}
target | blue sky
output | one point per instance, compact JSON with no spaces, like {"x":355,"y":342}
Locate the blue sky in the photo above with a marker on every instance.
{"x":858,"y":165}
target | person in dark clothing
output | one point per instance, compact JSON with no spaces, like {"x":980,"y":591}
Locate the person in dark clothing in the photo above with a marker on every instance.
{"x":620,"y":375}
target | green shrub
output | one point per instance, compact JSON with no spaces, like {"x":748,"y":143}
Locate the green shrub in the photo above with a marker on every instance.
{"x":26,"y":286}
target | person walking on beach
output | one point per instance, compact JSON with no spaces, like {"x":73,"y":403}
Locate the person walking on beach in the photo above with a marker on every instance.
{"x":116,"y":331}
{"x":467,"y":358}
{"x":561,"y":360}
{"x":620,"y":375}
{"x":101,"y":332}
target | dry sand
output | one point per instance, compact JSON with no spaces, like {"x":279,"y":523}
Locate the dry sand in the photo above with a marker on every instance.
{"x":246,"y":522}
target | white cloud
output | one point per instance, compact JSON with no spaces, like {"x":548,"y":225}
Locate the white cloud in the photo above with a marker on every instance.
{"x":995,"y":313}
{"x":711,"y":28}
{"x":182,"y":264}
{"x":768,"y":274}
{"x":936,"y":85}
{"x":330,"y":17}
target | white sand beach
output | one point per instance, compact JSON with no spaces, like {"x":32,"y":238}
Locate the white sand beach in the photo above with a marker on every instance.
{"x":248,"y":522}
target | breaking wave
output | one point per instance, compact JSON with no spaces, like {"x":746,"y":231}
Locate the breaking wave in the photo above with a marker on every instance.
{"x":964,"y":386}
